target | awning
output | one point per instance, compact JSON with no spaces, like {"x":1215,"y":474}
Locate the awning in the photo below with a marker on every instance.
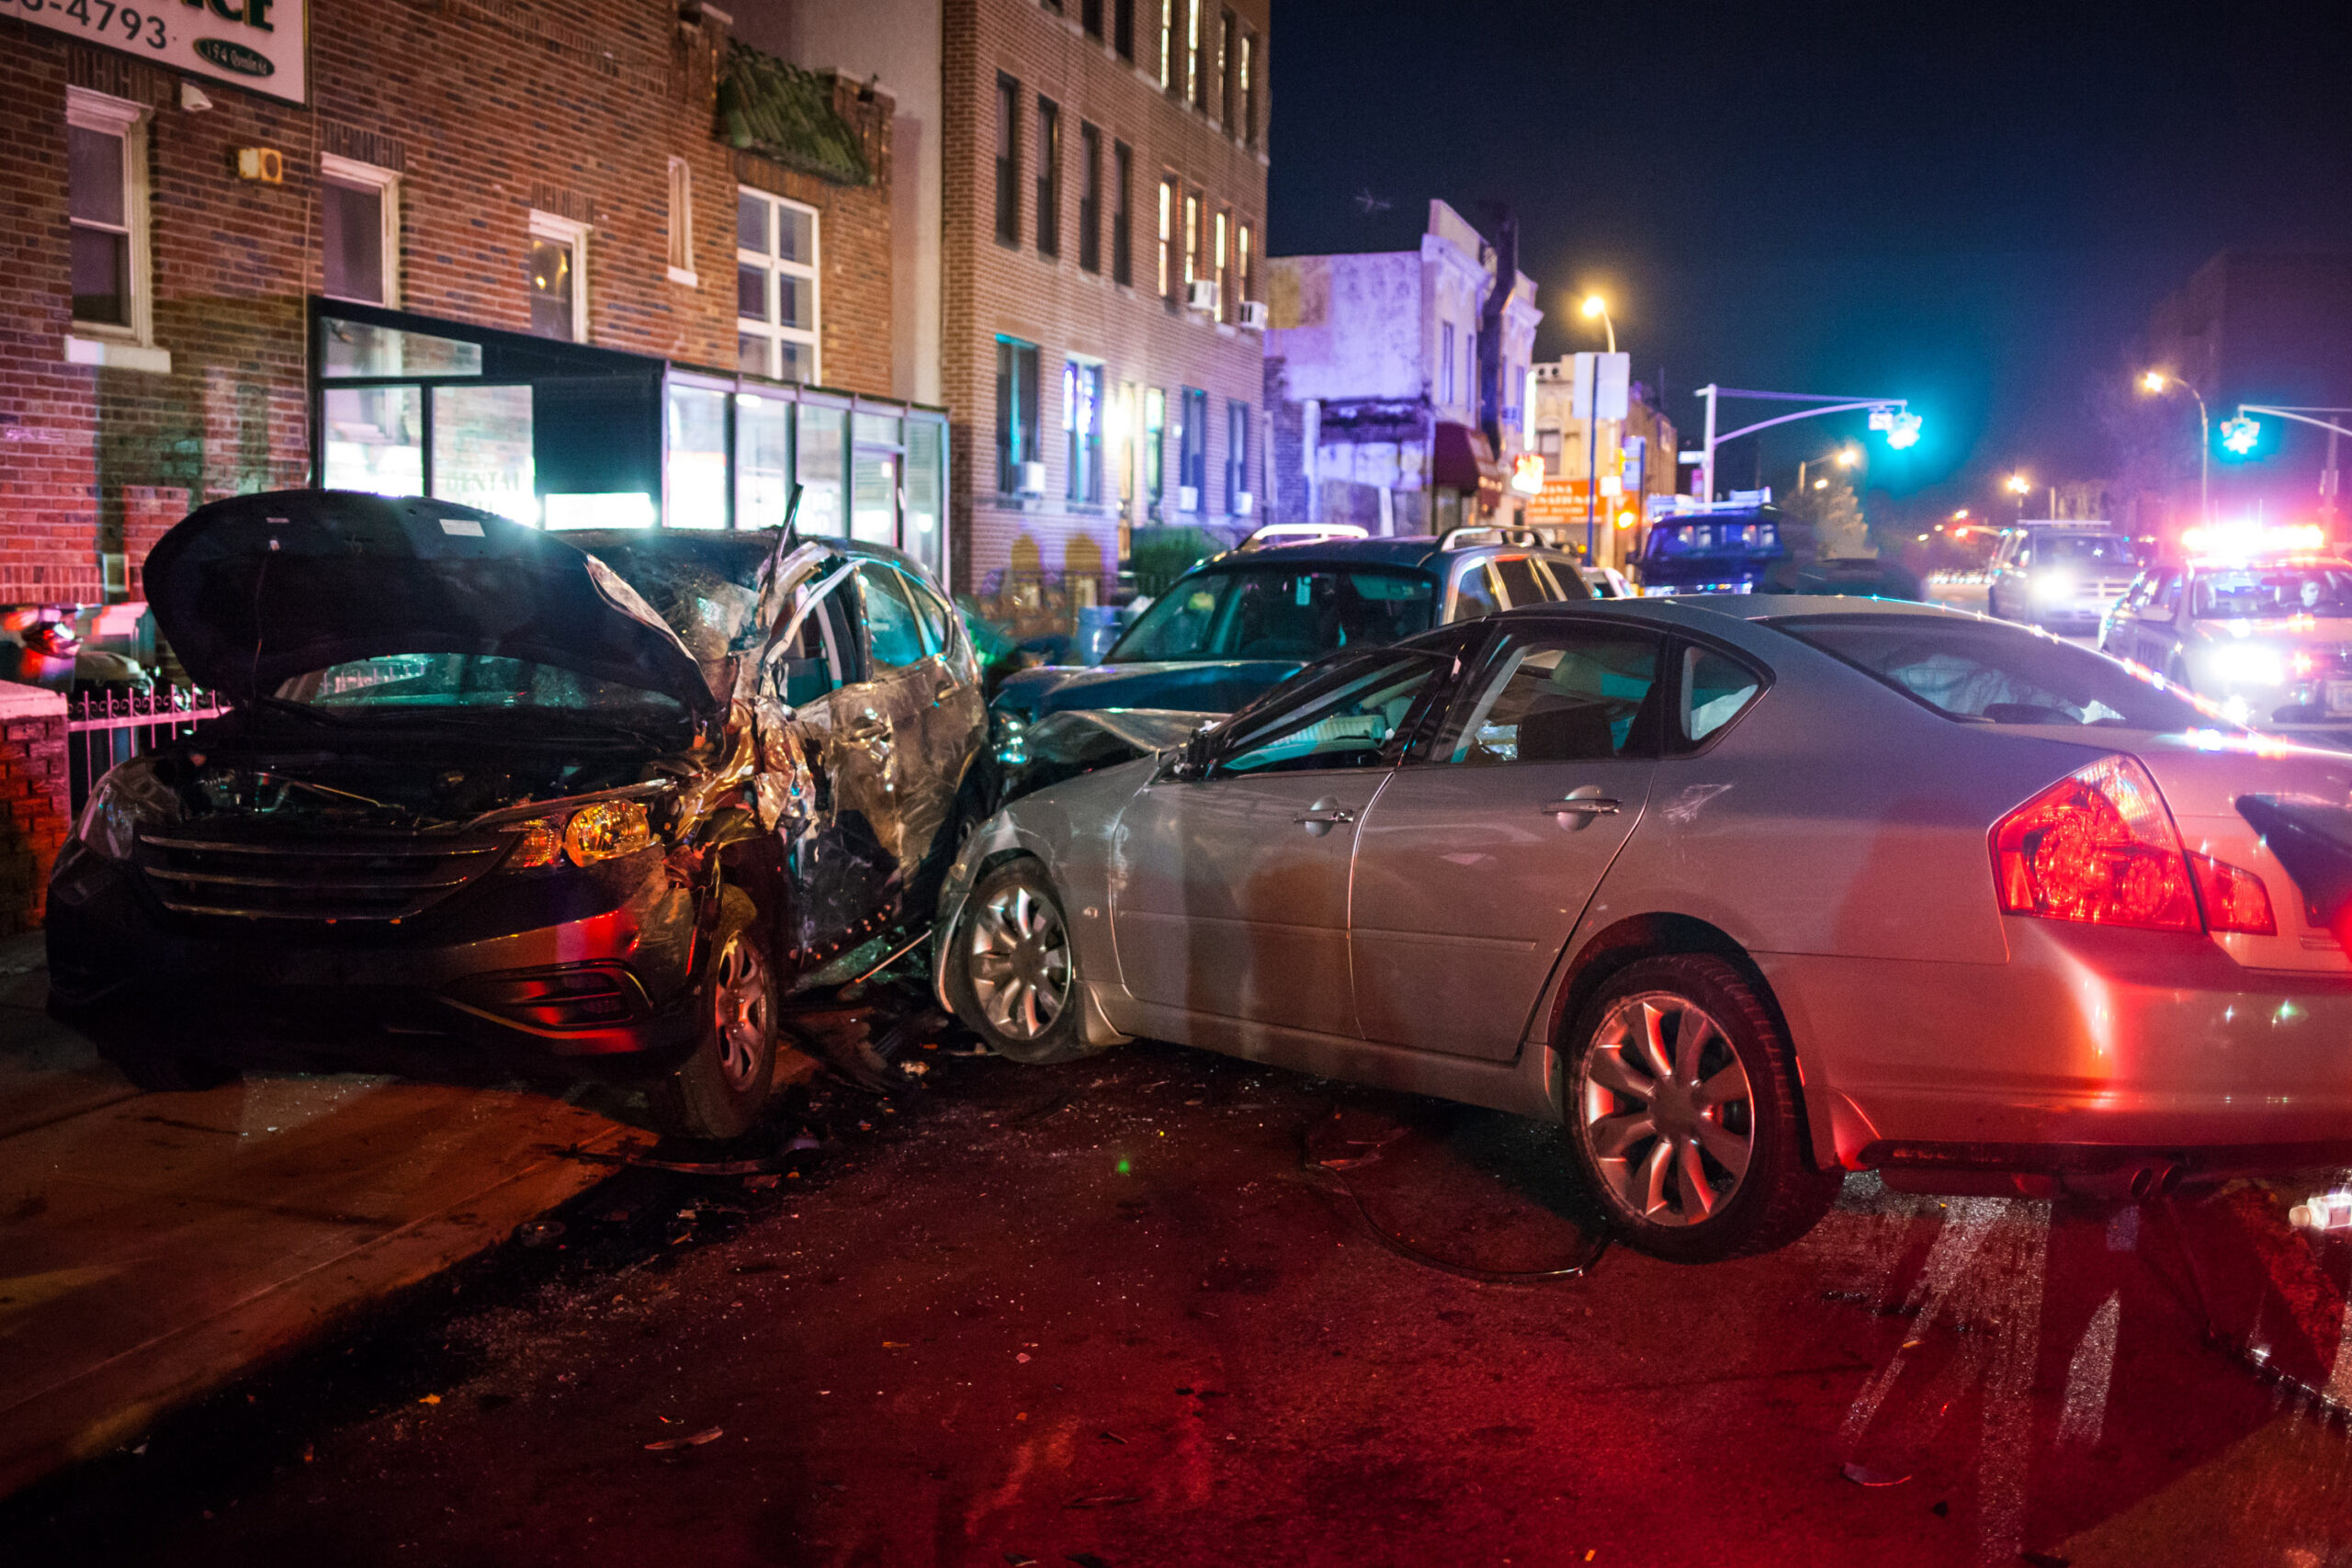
{"x":1462,"y":460}
{"x":770,"y":107}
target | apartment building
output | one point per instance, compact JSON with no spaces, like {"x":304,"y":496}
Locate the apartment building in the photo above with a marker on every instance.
{"x":1102,"y":230}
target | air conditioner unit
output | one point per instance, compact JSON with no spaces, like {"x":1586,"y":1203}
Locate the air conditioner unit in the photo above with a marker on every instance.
{"x":1244,"y":504}
{"x":1188,"y":498}
{"x":1031,"y":478}
{"x":1202,"y":295}
{"x":1253,"y":314}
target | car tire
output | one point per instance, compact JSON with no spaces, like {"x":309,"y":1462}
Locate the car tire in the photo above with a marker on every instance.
{"x":1013,"y":970}
{"x":1718,"y":1165}
{"x":719,"y":1090}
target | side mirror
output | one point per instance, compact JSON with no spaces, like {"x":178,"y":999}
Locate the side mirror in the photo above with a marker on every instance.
{"x":1194,"y":762}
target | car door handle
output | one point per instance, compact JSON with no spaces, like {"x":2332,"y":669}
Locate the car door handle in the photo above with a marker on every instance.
{"x":1582,"y":806}
{"x":1323,"y":816}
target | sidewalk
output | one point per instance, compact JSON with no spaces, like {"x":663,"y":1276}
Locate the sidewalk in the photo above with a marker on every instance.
{"x":153,"y":1248}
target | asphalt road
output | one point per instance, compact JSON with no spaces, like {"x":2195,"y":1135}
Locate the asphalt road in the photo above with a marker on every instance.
{"x":1163,"y":1308}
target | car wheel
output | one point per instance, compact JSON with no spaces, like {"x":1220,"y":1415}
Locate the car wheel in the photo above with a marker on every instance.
{"x":721,"y":1088}
{"x":1013,"y":971}
{"x":1681,"y":1107}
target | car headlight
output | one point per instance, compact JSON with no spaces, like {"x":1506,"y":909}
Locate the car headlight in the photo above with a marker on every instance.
{"x":126,"y":799}
{"x":2053,"y":585}
{"x":2247,"y":665}
{"x":606,"y":831}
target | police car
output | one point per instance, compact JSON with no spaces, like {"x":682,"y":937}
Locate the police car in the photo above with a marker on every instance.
{"x":2256,"y":621}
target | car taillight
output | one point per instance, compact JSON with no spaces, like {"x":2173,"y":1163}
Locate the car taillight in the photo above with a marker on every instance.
{"x":2097,"y":846}
{"x":2234,"y":900}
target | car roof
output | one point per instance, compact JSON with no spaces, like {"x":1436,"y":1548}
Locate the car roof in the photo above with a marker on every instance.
{"x":1694,"y":610}
{"x":734,"y":547}
{"x":1412,"y":550}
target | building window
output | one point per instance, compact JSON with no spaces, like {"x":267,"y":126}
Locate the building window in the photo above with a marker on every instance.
{"x":360,"y":206}
{"x":1123,"y":29}
{"x":1090,"y":198}
{"x":1154,"y":434}
{"x":1049,"y":178}
{"x":1228,"y":31}
{"x":1445,"y":362}
{"x":1122,"y":257}
{"x":1016,"y":415}
{"x":1196,"y":81}
{"x":776,"y":287}
{"x":1167,"y":269}
{"x":682,"y":223}
{"x":107,"y":209}
{"x":557,"y":271}
{"x":1083,"y":428}
{"x":1193,"y":450}
{"x":1168,"y":44}
{"x":1237,"y":459}
{"x":1245,"y":278}
{"x":1547,"y":445}
{"x":1090,"y":17}
{"x":1007,"y":161}
{"x":1191,"y":240}
{"x":1219,"y":227}
{"x":1250,"y":89}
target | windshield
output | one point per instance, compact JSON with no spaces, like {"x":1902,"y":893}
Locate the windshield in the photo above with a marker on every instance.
{"x":2255,"y":593}
{"x":2087,"y":549}
{"x":1273,"y":612}
{"x":1984,"y":672}
{"x":1669,"y":540}
{"x":395,"y":681}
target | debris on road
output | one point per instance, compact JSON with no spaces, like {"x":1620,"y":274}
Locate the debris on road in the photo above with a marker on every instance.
{"x":707,"y":1435}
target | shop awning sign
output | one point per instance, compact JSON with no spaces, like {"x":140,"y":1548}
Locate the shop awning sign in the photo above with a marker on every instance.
{"x":261,"y":45}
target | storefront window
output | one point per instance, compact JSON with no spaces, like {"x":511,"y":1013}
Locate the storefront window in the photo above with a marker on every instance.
{"x":926,"y":493}
{"x":375,"y":440}
{"x":482,"y":449}
{"x":355,"y":348}
{"x":696,"y":468}
{"x":822,"y":439}
{"x":874,"y":497}
{"x":762,"y":461}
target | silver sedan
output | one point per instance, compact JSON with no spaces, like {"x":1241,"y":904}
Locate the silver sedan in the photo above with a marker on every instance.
{"x":1747,"y":893}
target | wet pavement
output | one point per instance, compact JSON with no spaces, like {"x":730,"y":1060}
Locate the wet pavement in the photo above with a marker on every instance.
{"x":1158,"y":1307}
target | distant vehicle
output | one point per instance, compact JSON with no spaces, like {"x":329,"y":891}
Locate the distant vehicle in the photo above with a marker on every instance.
{"x":1302,"y":534}
{"x":1747,"y":891}
{"x":2266,"y":636}
{"x":1608,"y":582}
{"x":1747,"y":549}
{"x":2060,"y":575}
{"x":562,"y":806}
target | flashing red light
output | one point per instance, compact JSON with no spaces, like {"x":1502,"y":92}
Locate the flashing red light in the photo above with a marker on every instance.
{"x":2096,"y":846}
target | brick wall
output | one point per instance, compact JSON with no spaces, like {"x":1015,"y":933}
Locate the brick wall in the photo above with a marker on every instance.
{"x":34,"y":811}
{"x":992,"y":289}
{"x":487,"y":108}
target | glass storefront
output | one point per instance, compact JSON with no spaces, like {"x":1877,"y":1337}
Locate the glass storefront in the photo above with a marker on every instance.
{"x":566,"y":436}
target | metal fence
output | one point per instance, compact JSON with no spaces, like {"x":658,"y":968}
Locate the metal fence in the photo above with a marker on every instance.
{"x":105,"y":727}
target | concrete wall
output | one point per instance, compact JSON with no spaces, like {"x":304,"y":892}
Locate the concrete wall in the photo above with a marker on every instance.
{"x":1350,"y":326}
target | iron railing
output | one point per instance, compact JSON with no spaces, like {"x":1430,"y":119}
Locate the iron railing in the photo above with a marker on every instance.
{"x":105,"y":727}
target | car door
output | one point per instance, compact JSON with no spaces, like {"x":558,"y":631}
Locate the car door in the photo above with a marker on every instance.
{"x":1230,"y":893}
{"x":931,"y":700}
{"x":1478,"y":857}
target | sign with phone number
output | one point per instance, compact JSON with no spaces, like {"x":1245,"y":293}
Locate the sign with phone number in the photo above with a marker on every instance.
{"x":259,"y":45}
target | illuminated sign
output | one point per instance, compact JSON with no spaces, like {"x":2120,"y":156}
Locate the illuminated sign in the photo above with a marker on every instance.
{"x":1527,"y":473}
{"x":256,"y":44}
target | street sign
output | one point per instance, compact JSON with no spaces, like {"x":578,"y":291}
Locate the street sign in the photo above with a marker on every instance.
{"x":1615,"y":372}
{"x":259,"y":45}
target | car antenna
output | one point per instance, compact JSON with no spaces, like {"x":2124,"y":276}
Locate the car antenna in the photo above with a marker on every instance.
{"x":783,"y":537}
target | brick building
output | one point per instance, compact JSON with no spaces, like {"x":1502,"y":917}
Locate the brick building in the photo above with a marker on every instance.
{"x":576,"y":260}
{"x":1102,"y":230}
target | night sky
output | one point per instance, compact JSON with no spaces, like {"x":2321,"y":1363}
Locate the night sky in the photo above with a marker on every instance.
{"x":1971,"y":208}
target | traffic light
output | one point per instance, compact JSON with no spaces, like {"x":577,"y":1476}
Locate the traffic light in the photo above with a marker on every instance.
{"x":2240,"y":434}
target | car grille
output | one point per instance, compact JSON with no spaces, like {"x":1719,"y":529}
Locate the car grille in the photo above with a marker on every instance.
{"x":357,"y":877}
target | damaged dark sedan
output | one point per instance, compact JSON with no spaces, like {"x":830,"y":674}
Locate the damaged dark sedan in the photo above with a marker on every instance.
{"x":492,"y":801}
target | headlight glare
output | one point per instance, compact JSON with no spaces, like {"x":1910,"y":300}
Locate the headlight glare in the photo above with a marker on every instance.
{"x":2248,"y":664}
{"x":2053,"y":585}
{"x":607,"y":830}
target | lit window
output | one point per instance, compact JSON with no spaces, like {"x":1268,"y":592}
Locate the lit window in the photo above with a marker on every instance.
{"x":1191,"y":240}
{"x":360,"y":204}
{"x":776,"y":287}
{"x":1168,"y":43}
{"x":1197,"y":86}
{"x":1083,"y":428}
{"x":1166,"y":238}
{"x":1218,"y":258}
{"x":682,"y":223}
{"x":1245,"y":278}
{"x":557,"y":271}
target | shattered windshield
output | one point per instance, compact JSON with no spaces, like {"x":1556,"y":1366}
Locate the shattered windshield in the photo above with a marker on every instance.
{"x":1271,"y":612}
{"x":468,"y":680}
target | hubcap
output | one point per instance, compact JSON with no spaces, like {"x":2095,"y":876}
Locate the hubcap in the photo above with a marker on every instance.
{"x":1667,"y":1109}
{"x":739,"y":999}
{"x":1019,"y":963}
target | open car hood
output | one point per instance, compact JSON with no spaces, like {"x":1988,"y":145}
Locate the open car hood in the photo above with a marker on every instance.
{"x":256,"y":588}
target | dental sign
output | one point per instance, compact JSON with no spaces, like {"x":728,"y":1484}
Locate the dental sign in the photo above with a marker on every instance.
{"x":255,"y":44}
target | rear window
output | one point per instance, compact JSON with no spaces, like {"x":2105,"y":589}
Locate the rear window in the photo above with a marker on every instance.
{"x":1670,"y":541}
{"x":1984,"y":672}
{"x":1273,"y":612}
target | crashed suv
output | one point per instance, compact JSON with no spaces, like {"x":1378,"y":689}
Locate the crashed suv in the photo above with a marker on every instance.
{"x":490,"y":801}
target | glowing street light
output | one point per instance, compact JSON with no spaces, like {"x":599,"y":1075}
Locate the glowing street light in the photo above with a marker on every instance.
{"x":2018,"y":484}
{"x":1596,"y":308}
{"x":2155,"y":383}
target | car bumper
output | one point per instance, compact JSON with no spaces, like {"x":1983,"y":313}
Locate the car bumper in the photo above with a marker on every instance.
{"x":581,"y":975}
{"x":2088,"y":1049}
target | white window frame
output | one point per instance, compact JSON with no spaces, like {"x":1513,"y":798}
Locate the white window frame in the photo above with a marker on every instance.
{"x":570,"y":230}
{"x":775,"y":266}
{"x":682,"y":223}
{"x":386,"y":184}
{"x":121,"y":347}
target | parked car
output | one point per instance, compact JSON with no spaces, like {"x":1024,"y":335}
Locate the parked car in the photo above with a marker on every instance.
{"x":1234,"y":624}
{"x":2266,"y":637}
{"x":1748,"y":892}
{"x":2062,"y":576}
{"x":1607,"y":582}
{"x":583,"y":807}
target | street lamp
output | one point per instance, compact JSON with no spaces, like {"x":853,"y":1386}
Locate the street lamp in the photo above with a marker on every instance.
{"x":1596,"y":307}
{"x":2155,"y":383}
{"x":1892,"y":415}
